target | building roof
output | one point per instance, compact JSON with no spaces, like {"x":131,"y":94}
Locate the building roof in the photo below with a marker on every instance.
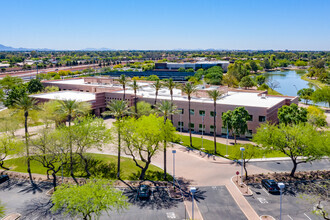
{"x":67,"y":95}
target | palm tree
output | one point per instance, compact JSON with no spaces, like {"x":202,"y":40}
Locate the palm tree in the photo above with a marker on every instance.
{"x":123,"y":81}
{"x":215,"y":95}
{"x":70,"y":109}
{"x":118,"y":109}
{"x":157,"y":85}
{"x":26,"y":104}
{"x":189,"y":88}
{"x":166,"y":108}
{"x":170,"y":84}
{"x":135,"y":87}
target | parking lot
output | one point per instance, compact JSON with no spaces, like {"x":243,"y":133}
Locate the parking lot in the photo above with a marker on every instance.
{"x":293,"y":206}
{"x":217,"y":203}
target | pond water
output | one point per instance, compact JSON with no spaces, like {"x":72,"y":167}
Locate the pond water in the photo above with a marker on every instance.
{"x":290,"y":81}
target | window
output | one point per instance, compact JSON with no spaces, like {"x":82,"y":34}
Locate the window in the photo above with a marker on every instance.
{"x":201,"y":112}
{"x":181,"y":111}
{"x":192,"y":112}
{"x":211,"y":129}
{"x":212,"y":114}
{"x":251,"y":118}
{"x":262,"y":118}
{"x":192,"y":126}
{"x":180,"y":124}
{"x":201,"y":127}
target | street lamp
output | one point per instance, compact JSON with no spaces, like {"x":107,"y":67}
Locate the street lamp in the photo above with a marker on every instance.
{"x":227,"y":142}
{"x":181,"y":125}
{"x":281,"y":186}
{"x":202,"y":129}
{"x":173,"y":152}
{"x":192,"y":190}
{"x":242,"y":150}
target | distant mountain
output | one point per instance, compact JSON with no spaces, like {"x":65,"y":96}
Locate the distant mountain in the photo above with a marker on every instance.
{"x":97,"y":49}
{"x":6,"y":48}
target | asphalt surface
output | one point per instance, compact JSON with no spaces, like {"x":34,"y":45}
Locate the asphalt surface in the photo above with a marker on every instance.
{"x":286,"y":165}
{"x":293,"y":206}
{"x":217,"y":203}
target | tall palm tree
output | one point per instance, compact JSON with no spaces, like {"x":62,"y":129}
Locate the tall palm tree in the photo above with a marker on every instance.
{"x":170,"y":84}
{"x":157,"y":85}
{"x":135,"y":87}
{"x":166,"y":108}
{"x":123,"y":81}
{"x":71,"y":109}
{"x":189,"y":88}
{"x":26,"y":104}
{"x":214,"y":95}
{"x":118,"y":109}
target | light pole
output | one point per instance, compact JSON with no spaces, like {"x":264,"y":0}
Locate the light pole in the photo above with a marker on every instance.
{"x":281,"y":186}
{"x":227,"y":142}
{"x":173,"y":152}
{"x":181,"y":125}
{"x":202,"y":129}
{"x":242,"y":150}
{"x":192,"y":190}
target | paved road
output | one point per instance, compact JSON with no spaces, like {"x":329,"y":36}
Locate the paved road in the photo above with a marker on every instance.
{"x":286,"y":166}
{"x":293,"y":207}
{"x":217,"y":203}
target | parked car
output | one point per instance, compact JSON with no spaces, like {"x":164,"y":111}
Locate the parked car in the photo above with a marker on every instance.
{"x":270,"y":185}
{"x":143,"y":192}
{"x":4,"y":178}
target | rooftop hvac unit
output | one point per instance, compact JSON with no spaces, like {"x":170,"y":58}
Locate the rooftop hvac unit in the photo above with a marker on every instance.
{"x":263,"y":96}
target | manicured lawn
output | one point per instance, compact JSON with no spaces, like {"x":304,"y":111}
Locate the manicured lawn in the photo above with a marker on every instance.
{"x":102,"y":166}
{"x":221,"y":148}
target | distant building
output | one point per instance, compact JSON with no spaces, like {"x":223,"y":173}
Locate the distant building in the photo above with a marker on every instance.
{"x":99,"y":91}
{"x":4,"y":65}
{"x":194,"y":66}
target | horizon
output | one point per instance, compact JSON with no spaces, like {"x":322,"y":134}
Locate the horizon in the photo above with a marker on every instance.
{"x":185,"y":25}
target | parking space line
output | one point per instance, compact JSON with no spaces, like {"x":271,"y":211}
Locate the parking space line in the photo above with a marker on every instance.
{"x":290,"y":217}
{"x":265,"y":191}
{"x":307,"y":216}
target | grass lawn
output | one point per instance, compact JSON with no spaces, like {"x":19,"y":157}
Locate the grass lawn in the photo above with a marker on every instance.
{"x":102,"y":166}
{"x":314,"y":81}
{"x":221,"y":148}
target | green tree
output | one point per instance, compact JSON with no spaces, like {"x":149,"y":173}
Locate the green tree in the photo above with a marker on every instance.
{"x":213,"y":75}
{"x":230,"y":80}
{"x":250,"y":152}
{"x":143,"y":137}
{"x":157,"y":86}
{"x":88,"y":200}
{"x":322,"y":95}
{"x":15,"y":93}
{"x":170,"y":84}
{"x":135,"y":87}
{"x":294,"y":140}
{"x":306,"y":94}
{"x":238,"y":70}
{"x":71,"y":109}
{"x":34,"y":86}
{"x":25,"y":105}
{"x":214,"y":95}
{"x":292,"y":114}
{"x":254,"y":66}
{"x":166,"y":108}
{"x":118,"y":109}
{"x":8,"y":82}
{"x":152,"y":78}
{"x":8,"y":146}
{"x":123,"y":81}
{"x":181,"y":69}
{"x":316,"y":116}
{"x":144,"y":108}
{"x":266,"y":64}
{"x":261,"y":79}
{"x":247,"y":82}
{"x":236,"y":121}
{"x":300,"y":63}
{"x":189,"y":89}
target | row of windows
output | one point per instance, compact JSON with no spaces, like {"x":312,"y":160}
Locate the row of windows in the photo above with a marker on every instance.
{"x":201,"y":127}
{"x":212,"y":114}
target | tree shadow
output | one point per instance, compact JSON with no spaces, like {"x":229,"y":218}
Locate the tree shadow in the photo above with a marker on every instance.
{"x":25,"y":186}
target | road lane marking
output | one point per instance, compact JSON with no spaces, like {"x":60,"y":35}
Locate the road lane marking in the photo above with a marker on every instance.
{"x":307,"y":216}
{"x":170,"y":215}
{"x":290,"y":217}
{"x":265,"y":191}
{"x":262,"y":200}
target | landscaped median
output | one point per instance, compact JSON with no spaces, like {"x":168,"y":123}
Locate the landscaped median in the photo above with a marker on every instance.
{"x":221,"y":148}
{"x":103,"y":166}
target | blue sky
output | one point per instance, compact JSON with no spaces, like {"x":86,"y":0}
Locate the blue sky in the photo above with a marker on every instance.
{"x":166,"y":24}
